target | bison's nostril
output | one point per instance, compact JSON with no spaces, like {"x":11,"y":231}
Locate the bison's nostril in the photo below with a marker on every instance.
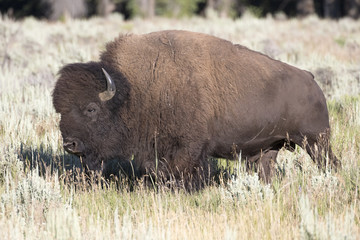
{"x":69,"y":145}
{"x":74,"y":146}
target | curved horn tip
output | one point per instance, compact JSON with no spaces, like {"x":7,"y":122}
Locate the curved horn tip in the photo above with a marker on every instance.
{"x":104,"y":71}
{"x":111,"y":88}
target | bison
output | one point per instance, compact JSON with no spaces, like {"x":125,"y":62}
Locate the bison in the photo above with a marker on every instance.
{"x":168,"y":100}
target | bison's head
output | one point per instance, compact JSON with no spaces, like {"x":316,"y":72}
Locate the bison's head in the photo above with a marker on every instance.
{"x":90,"y":100}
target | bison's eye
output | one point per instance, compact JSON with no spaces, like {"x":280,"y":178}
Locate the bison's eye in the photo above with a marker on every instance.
{"x":91,"y":109}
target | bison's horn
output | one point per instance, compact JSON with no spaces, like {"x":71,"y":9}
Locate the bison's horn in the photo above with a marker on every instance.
{"x":111,"y":89}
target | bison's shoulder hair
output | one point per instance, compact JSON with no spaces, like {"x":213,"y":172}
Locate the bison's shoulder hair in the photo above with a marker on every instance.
{"x":189,"y":44}
{"x":116,"y":43}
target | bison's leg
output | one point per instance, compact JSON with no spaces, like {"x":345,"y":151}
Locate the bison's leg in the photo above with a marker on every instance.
{"x":197,"y":176}
{"x":319,"y":148}
{"x":192,"y":168}
{"x":264,"y":163}
{"x":184,"y":167}
{"x":320,"y":151}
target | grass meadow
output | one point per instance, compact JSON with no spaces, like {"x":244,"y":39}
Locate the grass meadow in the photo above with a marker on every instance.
{"x":42,"y":198}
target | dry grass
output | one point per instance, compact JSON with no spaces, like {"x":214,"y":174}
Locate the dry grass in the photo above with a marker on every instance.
{"x":305,"y":203}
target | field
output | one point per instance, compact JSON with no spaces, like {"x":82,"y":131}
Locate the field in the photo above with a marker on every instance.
{"x":40,"y":199}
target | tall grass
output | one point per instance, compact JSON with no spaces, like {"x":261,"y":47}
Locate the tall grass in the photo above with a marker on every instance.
{"x":42,"y":197}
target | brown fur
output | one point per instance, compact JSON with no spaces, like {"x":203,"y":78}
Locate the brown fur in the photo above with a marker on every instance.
{"x":184,"y":96}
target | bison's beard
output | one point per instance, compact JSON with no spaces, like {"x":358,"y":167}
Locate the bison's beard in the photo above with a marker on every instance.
{"x":108,"y":167}
{"x":91,"y":161}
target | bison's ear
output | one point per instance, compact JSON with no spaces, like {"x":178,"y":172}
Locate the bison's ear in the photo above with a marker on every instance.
{"x":111,"y":88}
